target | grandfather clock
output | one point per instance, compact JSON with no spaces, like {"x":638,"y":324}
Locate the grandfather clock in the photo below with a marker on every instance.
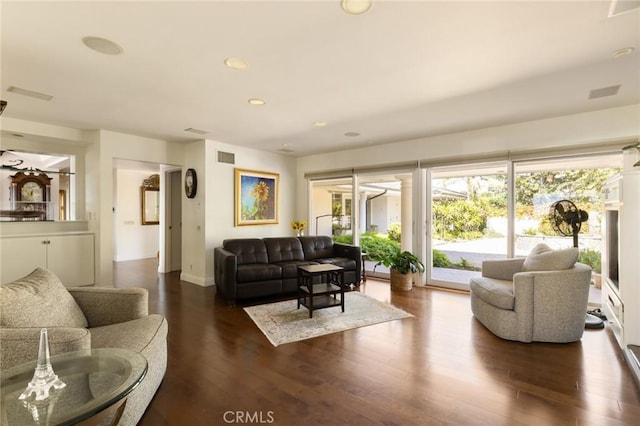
{"x":31,"y":193}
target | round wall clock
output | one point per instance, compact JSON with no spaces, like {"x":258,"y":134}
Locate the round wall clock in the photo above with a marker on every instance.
{"x":190,"y":183}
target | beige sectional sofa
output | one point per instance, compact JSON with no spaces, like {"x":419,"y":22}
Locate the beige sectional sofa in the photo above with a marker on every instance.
{"x":83,"y":318}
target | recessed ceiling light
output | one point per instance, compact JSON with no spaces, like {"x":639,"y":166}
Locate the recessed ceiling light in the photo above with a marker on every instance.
{"x":622,"y":52}
{"x":352,"y":134}
{"x":320,"y":123}
{"x":356,"y":7}
{"x":30,"y":93}
{"x":257,"y":101}
{"x":236,"y":63}
{"x":102,"y":45}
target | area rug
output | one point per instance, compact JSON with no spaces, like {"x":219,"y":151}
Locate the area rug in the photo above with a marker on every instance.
{"x":283,"y":322}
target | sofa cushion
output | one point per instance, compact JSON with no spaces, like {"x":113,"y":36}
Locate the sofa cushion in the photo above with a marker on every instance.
{"x":343,"y":262}
{"x":283,"y":249}
{"x":290,"y":269}
{"x":544,"y":258}
{"x":258,"y":272}
{"x":247,"y":250}
{"x":39,"y":300}
{"x":317,"y":247}
{"x":134,"y":335}
{"x":20,"y":344}
{"x":498,"y":293}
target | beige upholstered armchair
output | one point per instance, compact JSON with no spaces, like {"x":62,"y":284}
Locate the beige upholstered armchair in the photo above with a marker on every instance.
{"x":83,"y":318}
{"x":541,"y":298}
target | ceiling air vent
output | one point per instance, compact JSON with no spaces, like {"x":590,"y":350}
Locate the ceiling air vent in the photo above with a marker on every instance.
{"x":286,"y":150}
{"x":226,"y":157}
{"x":618,"y":7}
{"x":196,"y":131}
{"x":605,"y":91}
{"x":30,"y":93}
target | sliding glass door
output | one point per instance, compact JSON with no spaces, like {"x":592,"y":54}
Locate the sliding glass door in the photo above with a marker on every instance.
{"x":469,"y":221}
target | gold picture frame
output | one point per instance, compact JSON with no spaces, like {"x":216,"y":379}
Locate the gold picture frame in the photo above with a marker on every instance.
{"x":256,"y":197}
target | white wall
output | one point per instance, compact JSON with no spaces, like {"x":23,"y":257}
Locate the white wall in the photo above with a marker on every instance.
{"x":104,"y":148}
{"x":132,"y":239}
{"x":385,"y":210}
{"x":321,"y":202}
{"x":216,"y":210}
{"x":194,"y":259}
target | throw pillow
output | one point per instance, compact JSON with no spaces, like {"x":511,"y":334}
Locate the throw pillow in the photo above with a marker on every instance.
{"x":39,"y":300}
{"x":544,"y":258}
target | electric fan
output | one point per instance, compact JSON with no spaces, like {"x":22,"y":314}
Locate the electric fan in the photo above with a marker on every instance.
{"x":567,"y":218}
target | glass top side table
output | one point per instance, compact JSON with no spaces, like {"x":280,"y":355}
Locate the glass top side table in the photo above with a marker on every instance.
{"x":96,"y":379}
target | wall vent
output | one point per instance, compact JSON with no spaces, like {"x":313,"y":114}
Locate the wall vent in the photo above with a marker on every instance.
{"x":226,"y":157}
{"x":605,"y":91}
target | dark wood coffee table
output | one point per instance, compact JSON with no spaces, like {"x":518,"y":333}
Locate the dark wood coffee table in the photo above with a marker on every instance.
{"x":97,"y":381}
{"x":320,"y":286}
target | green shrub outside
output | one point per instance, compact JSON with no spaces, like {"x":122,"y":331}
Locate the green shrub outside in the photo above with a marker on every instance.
{"x":375,"y":245}
{"x":379,"y":247}
{"x":592,"y":258}
{"x":460,"y":219}
{"x":344,"y":239}
{"x":440,"y":260}
{"x":394,"y":233}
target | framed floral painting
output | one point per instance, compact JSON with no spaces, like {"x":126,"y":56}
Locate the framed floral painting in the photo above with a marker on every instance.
{"x":256,"y":194}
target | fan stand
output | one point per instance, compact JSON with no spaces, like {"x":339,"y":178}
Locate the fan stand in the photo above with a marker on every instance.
{"x":590,"y":321}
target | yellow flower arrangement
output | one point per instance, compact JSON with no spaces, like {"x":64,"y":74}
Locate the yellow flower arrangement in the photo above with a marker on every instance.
{"x":298,"y":226}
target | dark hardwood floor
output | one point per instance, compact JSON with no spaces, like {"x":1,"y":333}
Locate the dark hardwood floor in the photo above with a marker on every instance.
{"x":441,"y":367}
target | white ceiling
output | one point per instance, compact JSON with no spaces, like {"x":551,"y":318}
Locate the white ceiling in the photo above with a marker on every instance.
{"x":403,"y":70}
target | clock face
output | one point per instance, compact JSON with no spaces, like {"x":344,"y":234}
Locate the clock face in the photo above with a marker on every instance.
{"x":31,"y":191}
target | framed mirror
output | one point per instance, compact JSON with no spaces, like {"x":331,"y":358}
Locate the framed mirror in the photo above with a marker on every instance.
{"x":150,"y":200}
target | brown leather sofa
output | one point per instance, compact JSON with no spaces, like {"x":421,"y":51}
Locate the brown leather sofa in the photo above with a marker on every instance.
{"x":251,"y":268}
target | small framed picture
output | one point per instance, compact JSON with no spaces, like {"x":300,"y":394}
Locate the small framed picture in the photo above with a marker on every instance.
{"x":190,"y":183}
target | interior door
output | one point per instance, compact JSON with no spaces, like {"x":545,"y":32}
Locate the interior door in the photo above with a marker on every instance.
{"x":174,"y":218}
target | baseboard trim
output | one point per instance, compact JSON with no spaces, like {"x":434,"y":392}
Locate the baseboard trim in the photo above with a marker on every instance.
{"x":194,"y":279}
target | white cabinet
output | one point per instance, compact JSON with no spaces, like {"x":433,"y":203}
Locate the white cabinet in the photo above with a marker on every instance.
{"x":69,"y":256}
{"x":630,"y":256}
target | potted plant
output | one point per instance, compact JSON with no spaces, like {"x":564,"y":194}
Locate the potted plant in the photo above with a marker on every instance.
{"x":402,"y":267}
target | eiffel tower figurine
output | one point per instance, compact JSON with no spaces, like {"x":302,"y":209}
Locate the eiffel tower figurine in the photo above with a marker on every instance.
{"x":43,"y":378}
